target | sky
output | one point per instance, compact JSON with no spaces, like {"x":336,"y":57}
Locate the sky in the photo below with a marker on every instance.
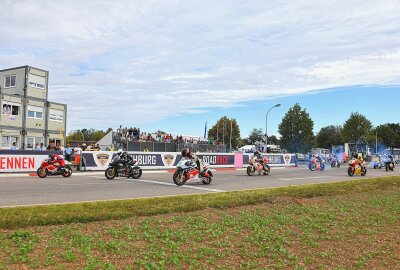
{"x":173,"y":65}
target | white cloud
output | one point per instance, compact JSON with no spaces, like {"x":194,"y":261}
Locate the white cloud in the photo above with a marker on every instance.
{"x":160,"y":57}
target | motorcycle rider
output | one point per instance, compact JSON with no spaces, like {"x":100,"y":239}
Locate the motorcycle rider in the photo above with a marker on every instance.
{"x":57,"y":160}
{"x":259,"y":158}
{"x":125,"y":157}
{"x":186,"y":153}
{"x":359,"y":159}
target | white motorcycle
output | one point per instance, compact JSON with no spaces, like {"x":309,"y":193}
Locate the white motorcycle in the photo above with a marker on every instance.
{"x":186,"y":170}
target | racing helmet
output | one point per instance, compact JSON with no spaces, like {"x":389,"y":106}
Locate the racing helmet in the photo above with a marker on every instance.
{"x":51,"y":156}
{"x":185,"y":152}
{"x":256,"y":152}
{"x":119,"y":152}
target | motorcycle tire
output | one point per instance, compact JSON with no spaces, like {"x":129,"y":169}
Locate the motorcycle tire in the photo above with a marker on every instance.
{"x":338,"y":165}
{"x":41,"y":173}
{"x":364,"y":172}
{"x":322,"y":166}
{"x":207,"y":180}
{"x":136,"y":174}
{"x":110,"y":173}
{"x":312,"y":167}
{"x":250,"y":170}
{"x":332,"y":165}
{"x":386,"y":167}
{"x":67,"y":172}
{"x":375,"y":166}
{"x":179,"y":178}
{"x":267,"y":170}
{"x":350,"y":171}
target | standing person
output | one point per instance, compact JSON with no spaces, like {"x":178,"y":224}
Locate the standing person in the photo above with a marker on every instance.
{"x":68,"y":152}
{"x":37,"y":147}
{"x":77,"y":154}
{"x":13,"y":146}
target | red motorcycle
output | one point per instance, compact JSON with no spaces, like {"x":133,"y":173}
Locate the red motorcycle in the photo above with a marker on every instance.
{"x":258,"y":167}
{"x":48,"y":168}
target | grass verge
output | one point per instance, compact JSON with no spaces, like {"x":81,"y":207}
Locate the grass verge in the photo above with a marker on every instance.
{"x":20,"y":217}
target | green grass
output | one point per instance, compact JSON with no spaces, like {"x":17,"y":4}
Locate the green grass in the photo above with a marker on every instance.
{"x":21,"y":217}
{"x":356,"y":226}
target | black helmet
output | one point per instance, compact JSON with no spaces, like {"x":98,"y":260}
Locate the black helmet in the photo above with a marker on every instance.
{"x":185,"y":152}
{"x":51,"y":156}
{"x":355,"y":155}
{"x":256,"y":152}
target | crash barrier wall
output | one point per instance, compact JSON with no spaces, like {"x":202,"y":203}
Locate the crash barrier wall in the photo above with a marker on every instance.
{"x":21,"y":160}
{"x":94,"y":161}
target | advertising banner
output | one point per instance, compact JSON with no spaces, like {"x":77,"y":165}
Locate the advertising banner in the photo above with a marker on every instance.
{"x":21,"y":161}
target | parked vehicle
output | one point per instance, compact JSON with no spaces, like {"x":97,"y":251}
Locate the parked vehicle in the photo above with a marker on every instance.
{"x":356,"y":168}
{"x":187,"y":170}
{"x":260,"y":168}
{"x":316,"y":164}
{"x":120,"y":168}
{"x":48,"y":168}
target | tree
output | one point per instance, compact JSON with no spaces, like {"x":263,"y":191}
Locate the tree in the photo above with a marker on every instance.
{"x":273,"y":140}
{"x":296,"y":130}
{"x":223,"y":126}
{"x":356,"y":129}
{"x":256,"y":135}
{"x":86,"y":134}
{"x":388,"y":134}
{"x":328,"y":136}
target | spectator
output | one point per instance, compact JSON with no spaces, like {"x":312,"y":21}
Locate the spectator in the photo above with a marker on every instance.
{"x":42,"y":147}
{"x":68,"y":152}
{"x":37,"y":147}
{"x":77,"y":154}
{"x":14,"y":146}
{"x":146,"y":149}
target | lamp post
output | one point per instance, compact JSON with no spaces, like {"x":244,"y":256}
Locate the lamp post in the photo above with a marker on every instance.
{"x":266,"y":126}
{"x":376,"y":141}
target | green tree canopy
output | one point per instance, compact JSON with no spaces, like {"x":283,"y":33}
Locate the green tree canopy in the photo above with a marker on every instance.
{"x":356,"y":129}
{"x":387,"y":134}
{"x":296,"y":130}
{"x":328,"y":136}
{"x":87,"y":134}
{"x":256,"y":135}
{"x":223,"y":126}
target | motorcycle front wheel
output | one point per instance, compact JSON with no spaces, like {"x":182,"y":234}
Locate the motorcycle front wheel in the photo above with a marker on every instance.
{"x":207,"y":180}
{"x":110,"y":173}
{"x":363,"y":171}
{"x":250,"y":170}
{"x":312,"y":167}
{"x":67,"y":172}
{"x":267,"y":170}
{"x":41,"y":173}
{"x":136,"y":173}
{"x":179,"y":178}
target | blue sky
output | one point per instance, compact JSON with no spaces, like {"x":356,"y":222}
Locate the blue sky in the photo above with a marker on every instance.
{"x":172,"y":65}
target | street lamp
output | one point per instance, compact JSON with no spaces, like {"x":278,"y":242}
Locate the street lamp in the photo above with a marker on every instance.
{"x":266,"y":126}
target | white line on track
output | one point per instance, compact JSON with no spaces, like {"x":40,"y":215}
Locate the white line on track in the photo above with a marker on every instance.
{"x":304,"y":178}
{"x":184,"y":186}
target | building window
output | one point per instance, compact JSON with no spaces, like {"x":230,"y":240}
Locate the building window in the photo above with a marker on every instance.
{"x":10,"y":81}
{"x":37,"y":81}
{"x":11,"y":109}
{"x":32,"y":141}
{"x":7,"y":141}
{"x":35,"y":112}
{"x":56,"y":115}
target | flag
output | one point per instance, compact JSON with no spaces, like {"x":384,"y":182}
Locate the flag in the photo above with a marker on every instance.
{"x":205,"y":130}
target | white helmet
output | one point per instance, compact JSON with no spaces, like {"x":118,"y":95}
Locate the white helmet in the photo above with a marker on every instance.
{"x":119,"y":152}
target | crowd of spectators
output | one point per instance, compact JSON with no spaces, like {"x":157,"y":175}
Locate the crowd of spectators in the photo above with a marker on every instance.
{"x":134,"y":134}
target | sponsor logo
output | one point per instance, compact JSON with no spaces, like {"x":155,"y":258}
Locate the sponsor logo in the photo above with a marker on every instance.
{"x":168,"y":160}
{"x":287,"y":159}
{"x":103,"y":159}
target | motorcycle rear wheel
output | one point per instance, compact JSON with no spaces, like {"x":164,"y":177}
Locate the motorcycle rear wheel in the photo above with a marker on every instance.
{"x":350,"y":171}
{"x":136,"y":174}
{"x":110,"y":173}
{"x":179,"y":178}
{"x":250,"y":170}
{"x":338,"y":165}
{"x":41,"y":173}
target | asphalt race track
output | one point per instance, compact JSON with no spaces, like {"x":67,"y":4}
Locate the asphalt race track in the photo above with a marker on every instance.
{"x":28,"y":190}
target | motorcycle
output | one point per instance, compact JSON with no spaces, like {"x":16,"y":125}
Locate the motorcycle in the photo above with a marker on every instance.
{"x":389,"y":165}
{"x":186,"y":170}
{"x":48,"y":168}
{"x":255,"y":166}
{"x":316,"y":164}
{"x":335,"y":163}
{"x":121,"y":168}
{"x":355,"y":168}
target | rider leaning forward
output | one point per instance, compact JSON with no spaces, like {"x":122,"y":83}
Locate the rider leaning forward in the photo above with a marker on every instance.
{"x":186,"y":153}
